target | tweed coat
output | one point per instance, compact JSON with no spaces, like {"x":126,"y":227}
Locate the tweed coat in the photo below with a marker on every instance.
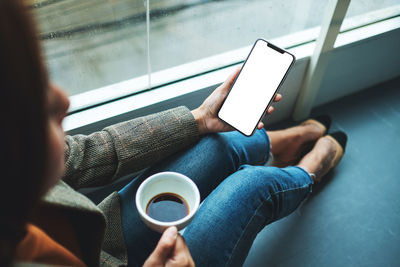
{"x":103,"y":157}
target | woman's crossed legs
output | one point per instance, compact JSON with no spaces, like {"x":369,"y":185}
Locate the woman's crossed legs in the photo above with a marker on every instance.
{"x":240,"y":198}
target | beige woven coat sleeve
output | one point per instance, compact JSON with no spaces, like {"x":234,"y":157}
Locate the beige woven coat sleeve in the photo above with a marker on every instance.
{"x":120,"y":149}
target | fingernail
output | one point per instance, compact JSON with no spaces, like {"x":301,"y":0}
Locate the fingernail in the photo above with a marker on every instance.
{"x":172,"y":233}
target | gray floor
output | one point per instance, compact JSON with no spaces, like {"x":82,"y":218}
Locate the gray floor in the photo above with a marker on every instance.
{"x":354,"y":218}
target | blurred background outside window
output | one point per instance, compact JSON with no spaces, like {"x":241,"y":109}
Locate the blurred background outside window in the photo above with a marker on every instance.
{"x":90,"y":44}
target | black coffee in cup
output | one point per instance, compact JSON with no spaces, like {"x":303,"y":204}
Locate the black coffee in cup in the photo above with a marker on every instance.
{"x":167,"y":207}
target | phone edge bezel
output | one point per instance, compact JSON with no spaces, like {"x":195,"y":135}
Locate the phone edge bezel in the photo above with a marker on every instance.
{"x":276,"y":90}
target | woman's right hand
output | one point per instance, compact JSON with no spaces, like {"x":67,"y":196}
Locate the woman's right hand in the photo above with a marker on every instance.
{"x":206,"y":115}
{"x":171,"y":251}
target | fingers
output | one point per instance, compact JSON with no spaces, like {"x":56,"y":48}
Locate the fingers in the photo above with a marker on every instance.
{"x":164,"y":248}
{"x":277,"y":97}
{"x":228,"y":82}
{"x":269,"y":111}
{"x":233,"y":76}
{"x":181,"y":256}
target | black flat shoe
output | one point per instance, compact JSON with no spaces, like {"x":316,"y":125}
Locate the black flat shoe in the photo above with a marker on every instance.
{"x":326,"y":120}
{"x":341,"y":138}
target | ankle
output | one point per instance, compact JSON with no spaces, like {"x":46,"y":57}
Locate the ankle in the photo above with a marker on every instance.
{"x":313,"y":169}
{"x":278,"y":141}
{"x":288,"y":145}
{"x":320,"y":159}
{"x":311,"y":174}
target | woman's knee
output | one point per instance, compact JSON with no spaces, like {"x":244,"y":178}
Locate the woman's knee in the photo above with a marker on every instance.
{"x":271,"y":179}
{"x":283,"y":189}
{"x":241,"y":149}
{"x":258,"y":177}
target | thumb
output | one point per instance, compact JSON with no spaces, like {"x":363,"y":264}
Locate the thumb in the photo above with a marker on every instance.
{"x":165,"y":245}
{"x":229,"y":81}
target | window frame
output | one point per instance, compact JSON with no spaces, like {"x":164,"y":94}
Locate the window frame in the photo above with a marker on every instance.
{"x":128,"y":96}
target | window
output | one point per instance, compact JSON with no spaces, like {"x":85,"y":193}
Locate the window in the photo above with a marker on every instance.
{"x":365,"y":6}
{"x":91,"y":44}
{"x":94,"y":43}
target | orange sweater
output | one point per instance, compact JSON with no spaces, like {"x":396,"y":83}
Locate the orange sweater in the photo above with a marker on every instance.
{"x":38,"y":247}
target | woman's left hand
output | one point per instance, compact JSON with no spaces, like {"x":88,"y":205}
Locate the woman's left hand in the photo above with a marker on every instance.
{"x":206,"y":115}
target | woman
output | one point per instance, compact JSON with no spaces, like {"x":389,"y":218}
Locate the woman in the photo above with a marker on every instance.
{"x":45,"y":221}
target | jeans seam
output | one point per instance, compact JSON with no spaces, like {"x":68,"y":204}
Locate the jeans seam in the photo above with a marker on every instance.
{"x":267,"y":155}
{"x":259,"y":206}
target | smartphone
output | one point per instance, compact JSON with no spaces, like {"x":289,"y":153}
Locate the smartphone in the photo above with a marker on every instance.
{"x":254,"y":88}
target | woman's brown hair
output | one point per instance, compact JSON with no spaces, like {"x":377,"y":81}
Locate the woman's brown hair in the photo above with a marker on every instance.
{"x":23,"y":132}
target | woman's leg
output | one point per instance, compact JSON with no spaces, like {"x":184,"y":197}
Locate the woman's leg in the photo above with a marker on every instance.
{"x":207,"y":163}
{"x":228,"y":221}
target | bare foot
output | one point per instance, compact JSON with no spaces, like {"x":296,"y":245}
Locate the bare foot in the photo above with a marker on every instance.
{"x":322,"y":158}
{"x":289,"y":145}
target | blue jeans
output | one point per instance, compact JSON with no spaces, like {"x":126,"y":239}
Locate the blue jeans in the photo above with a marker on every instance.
{"x":239,"y":198}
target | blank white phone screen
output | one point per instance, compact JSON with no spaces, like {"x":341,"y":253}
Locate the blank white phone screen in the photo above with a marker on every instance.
{"x":254,"y":87}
